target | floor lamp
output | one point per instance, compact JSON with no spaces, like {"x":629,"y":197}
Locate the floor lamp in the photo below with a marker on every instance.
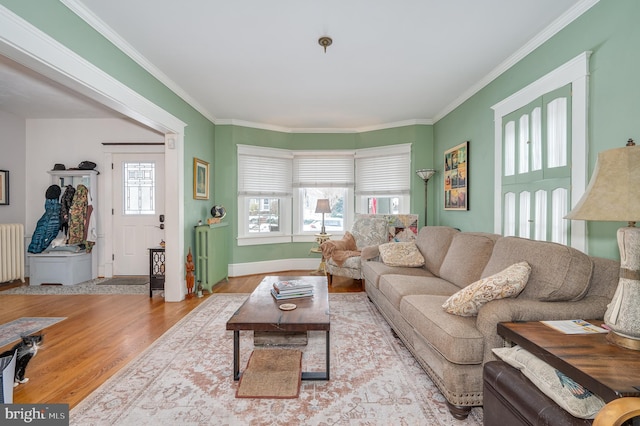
{"x":612,"y":195}
{"x":425,"y":175}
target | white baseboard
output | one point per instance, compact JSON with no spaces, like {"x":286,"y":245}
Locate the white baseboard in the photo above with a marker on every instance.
{"x":252,"y":268}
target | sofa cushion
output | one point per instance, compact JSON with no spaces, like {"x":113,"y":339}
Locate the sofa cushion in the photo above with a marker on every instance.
{"x":433,"y":242}
{"x":568,"y":394}
{"x":395,"y":287}
{"x":558,"y":272}
{"x":508,"y":283}
{"x":401,"y":254}
{"x":373,"y":270}
{"x":456,"y":338}
{"x":467,"y":256}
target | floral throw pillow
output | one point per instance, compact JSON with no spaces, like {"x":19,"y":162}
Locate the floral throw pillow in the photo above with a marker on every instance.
{"x":507,"y":283}
{"x":401,"y":254}
{"x":568,"y":394}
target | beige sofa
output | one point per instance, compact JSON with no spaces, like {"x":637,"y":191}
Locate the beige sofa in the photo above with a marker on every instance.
{"x":564,"y":283}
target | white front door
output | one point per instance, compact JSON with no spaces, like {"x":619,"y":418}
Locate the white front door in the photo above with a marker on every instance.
{"x":138,"y":203}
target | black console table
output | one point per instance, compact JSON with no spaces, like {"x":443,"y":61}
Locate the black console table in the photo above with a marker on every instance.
{"x":156,"y":269}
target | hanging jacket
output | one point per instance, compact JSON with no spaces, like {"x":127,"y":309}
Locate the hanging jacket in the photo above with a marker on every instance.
{"x":65,"y":206}
{"x":48,"y":225}
{"x":77,"y":215}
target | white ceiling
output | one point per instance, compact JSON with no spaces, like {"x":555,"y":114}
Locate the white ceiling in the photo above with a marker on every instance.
{"x":259,"y":61}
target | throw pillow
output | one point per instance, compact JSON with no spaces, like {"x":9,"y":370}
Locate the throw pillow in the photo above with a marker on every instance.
{"x":401,"y":254}
{"x":507,"y":283}
{"x":565,"y":392}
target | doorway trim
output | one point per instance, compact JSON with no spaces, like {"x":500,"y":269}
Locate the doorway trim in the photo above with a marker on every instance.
{"x":29,"y":46}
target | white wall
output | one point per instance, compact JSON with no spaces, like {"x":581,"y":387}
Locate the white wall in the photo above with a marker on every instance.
{"x":12,"y":158}
{"x":71,"y":141}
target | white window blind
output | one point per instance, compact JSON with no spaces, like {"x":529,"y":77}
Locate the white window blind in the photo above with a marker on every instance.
{"x":384,"y":171}
{"x":264,"y":171}
{"x":315,"y":170}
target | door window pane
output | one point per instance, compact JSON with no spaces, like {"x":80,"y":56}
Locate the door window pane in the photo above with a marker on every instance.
{"x":509,"y":214}
{"x":139,"y":184}
{"x":510,"y":148}
{"x":557,"y":132}
{"x":559,"y":203}
{"x":523,"y":144}
{"x":540,"y":221}
{"x":525,"y":214}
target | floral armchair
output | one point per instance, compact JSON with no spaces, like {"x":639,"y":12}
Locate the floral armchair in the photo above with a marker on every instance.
{"x":367,"y":230}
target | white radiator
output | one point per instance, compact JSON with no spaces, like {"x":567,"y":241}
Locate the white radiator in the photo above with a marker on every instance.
{"x":11,"y":252}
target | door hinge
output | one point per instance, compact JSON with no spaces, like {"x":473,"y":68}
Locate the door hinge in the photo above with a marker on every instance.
{"x":113,"y":257}
{"x":111,"y":166}
{"x":112,"y":212}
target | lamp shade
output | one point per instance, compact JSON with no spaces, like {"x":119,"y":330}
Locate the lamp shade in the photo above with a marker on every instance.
{"x":323,"y":206}
{"x":613,"y":193}
{"x":425,"y":174}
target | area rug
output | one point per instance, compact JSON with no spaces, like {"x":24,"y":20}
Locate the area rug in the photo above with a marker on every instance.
{"x":129,"y":280}
{"x":271,"y":373}
{"x":88,"y":287}
{"x":186,"y":377}
{"x":11,"y":331}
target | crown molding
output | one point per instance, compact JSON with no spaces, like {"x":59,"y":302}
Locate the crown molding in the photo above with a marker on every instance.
{"x":571,"y":15}
{"x":262,"y":126}
{"x":101,"y":27}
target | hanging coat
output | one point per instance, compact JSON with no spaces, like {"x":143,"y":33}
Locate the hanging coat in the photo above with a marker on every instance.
{"x":49,"y":224}
{"x":65,"y":206}
{"x":77,"y":215}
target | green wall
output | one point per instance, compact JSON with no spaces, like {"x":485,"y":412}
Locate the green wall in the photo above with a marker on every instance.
{"x":56,"y":20}
{"x":610,"y":30}
{"x":228,"y":137}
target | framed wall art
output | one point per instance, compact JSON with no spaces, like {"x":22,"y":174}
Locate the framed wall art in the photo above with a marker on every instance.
{"x":4,"y":187}
{"x":456,"y":177}
{"x":200,"y":179}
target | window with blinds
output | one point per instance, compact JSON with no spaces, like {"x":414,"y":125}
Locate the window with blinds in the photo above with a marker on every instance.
{"x":322,"y":175}
{"x":383,"y":179}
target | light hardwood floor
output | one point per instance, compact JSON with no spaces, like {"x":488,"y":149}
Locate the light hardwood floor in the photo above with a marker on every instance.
{"x":102,"y":333}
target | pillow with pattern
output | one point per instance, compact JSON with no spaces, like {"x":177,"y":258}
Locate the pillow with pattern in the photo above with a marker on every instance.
{"x":507,"y":283}
{"x":401,"y":254}
{"x":568,"y":394}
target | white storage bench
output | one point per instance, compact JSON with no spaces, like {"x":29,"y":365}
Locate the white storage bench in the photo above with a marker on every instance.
{"x":59,"y":268}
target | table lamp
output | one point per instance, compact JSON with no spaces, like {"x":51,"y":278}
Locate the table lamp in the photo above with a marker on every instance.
{"x":613,"y":195}
{"x":323,"y":207}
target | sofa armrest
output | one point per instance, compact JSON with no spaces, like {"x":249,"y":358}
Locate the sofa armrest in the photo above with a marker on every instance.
{"x":509,"y":310}
{"x":369,"y":253}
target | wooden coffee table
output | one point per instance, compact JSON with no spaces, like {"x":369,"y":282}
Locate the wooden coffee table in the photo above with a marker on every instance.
{"x":260,"y":312}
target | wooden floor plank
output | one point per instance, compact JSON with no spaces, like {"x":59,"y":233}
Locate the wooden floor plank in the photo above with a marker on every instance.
{"x":102,"y":333}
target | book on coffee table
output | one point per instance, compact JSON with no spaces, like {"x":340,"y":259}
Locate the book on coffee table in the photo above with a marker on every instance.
{"x":292,"y":286}
{"x":294,"y":295}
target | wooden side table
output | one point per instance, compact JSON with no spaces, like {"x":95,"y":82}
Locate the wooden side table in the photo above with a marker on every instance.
{"x":605,"y":369}
{"x":320,"y":238}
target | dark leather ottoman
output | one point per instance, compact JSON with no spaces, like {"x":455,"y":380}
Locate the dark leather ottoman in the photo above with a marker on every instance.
{"x":510,"y":399}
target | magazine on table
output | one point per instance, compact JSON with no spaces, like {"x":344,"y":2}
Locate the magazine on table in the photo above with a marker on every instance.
{"x":575,"y":326}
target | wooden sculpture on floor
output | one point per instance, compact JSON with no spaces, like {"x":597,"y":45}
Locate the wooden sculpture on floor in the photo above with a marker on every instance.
{"x":190,"y":276}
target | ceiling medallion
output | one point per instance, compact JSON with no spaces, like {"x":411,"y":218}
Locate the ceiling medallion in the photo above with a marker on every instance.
{"x":325,"y":42}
